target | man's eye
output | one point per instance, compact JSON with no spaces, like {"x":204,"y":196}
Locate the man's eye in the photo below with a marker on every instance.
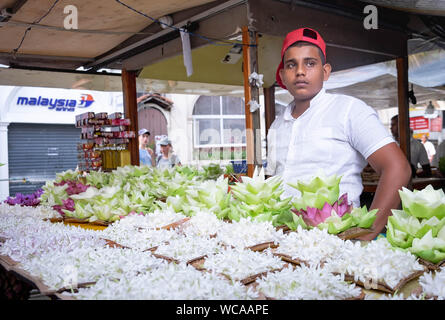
{"x":290,"y":65}
{"x":310,"y":64}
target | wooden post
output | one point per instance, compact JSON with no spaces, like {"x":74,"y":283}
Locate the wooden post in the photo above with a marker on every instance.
{"x":269,"y":106}
{"x":251,"y":93}
{"x":402,"y":93}
{"x":402,"y":90}
{"x":131,"y":111}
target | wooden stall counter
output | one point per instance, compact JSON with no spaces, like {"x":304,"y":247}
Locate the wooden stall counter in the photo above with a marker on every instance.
{"x":418,"y":184}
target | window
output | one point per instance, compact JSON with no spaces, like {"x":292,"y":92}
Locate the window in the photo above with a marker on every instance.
{"x":219,"y":127}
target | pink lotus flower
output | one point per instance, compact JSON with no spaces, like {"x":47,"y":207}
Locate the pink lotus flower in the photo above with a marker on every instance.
{"x":313,"y":216}
{"x":67,"y":204}
{"x":74,"y":187}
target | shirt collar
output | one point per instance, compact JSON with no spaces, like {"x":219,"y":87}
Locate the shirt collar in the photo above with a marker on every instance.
{"x":318,"y":97}
{"x":288,"y":111}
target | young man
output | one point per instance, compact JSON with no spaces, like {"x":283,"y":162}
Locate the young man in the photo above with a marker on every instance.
{"x":146,"y":154}
{"x":336,"y":133}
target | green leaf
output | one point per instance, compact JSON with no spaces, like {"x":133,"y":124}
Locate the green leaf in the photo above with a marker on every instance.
{"x":405,"y":222}
{"x":316,"y":192}
{"x":336,"y":227}
{"x":434,"y":256}
{"x":234,"y":214}
{"x":397,"y":238}
{"x":427,"y":225}
{"x":427,"y":243}
{"x":362,"y":218}
{"x":262,"y":217}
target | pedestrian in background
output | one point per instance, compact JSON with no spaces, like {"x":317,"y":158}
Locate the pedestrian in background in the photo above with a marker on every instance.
{"x":167,"y":158}
{"x":429,"y":147}
{"x":419,"y":157}
{"x":146,"y":154}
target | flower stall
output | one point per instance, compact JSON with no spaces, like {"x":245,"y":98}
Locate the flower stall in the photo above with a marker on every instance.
{"x":184,"y":234}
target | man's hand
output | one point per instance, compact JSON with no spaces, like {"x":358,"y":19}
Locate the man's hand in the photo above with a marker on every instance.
{"x":395,"y":172}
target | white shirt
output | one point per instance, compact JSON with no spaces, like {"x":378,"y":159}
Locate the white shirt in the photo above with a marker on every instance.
{"x":430,"y":150}
{"x":336,"y":134}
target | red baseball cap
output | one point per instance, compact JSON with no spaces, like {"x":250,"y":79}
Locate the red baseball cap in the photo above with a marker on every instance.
{"x":302,"y":34}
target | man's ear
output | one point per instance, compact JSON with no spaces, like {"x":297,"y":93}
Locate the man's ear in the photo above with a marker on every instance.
{"x":326,"y":71}
{"x":281,"y":73}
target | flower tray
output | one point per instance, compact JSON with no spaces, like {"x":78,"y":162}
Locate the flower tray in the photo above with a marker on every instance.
{"x":69,"y":288}
{"x":418,"y":292}
{"x":253,"y":278}
{"x":288,"y":258}
{"x":263,"y":246}
{"x":54,"y":220}
{"x":432,"y":266}
{"x":81,"y":221}
{"x":354,"y":233}
{"x":284,"y":228}
{"x":198,"y":264}
{"x":113,"y":244}
{"x":174,"y":224}
{"x":381,"y":285}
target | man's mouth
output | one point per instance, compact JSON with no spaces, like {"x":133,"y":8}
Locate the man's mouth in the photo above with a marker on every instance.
{"x":300,"y":83}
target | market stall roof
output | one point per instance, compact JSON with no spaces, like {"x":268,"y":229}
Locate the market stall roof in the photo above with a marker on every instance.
{"x":122,"y":34}
{"x":101,"y":27}
{"x":432,"y":7}
{"x":349,"y":44}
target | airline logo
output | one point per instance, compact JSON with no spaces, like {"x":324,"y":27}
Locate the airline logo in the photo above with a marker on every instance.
{"x":86,"y":100}
{"x":69,"y":105}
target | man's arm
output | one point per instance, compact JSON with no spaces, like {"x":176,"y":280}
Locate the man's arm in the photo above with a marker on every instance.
{"x":152,"y":155}
{"x":395,"y":172}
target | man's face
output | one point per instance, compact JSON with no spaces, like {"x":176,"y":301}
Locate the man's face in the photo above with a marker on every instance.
{"x":144,"y":138}
{"x":165,"y":148}
{"x":303,"y":72}
{"x":395,"y":128}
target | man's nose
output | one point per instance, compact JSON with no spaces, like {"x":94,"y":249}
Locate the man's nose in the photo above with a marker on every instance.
{"x":300,"y":70}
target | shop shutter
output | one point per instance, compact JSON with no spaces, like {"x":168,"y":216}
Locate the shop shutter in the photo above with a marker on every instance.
{"x":36,"y":152}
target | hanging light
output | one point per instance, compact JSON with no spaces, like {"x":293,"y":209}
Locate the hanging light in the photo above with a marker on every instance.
{"x":165,"y":21}
{"x":430,"y":112}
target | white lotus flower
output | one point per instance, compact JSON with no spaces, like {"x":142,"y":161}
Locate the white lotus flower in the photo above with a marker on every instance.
{"x":424,"y":203}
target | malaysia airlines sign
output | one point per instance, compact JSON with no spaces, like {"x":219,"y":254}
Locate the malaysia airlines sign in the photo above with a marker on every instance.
{"x":57,"y":104}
